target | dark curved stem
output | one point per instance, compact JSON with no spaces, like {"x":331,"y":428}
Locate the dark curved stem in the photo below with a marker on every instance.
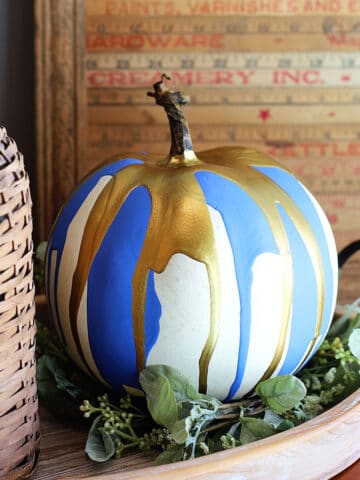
{"x":181,"y":144}
{"x":348,"y":252}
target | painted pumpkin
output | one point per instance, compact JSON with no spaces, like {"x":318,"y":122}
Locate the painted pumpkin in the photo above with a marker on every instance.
{"x":220,"y":264}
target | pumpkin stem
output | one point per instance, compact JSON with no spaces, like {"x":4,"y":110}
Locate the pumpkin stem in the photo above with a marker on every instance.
{"x":181,"y":151}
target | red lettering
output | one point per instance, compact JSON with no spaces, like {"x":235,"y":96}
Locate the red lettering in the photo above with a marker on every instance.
{"x":337,"y":38}
{"x":158,"y":41}
{"x":289,"y":151}
{"x":337,"y":152}
{"x":354,"y":149}
{"x":202,"y":77}
{"x":282,"y":151}
{"x":199,"y":40}
{"x":333,"y":218}
{"x":351,"y":149}
{"x":205,"y":8}
{"x":96,"y":79}
{"x":223,"y":76}
{"x":244,"y":76}
{"x":93,"y":42}
{"x":353,"y":6}
{"x":192,"y":8}
{"x":291,"y":6}
{"x":135,"y":41}
{"x":325,"y":6}
{"x":339,"y":203}
{"x":311,"y":76}
{"x":116,"y":41}
{"x":328,"y":171}
{"x":284,"y":77}
{"x":181,"y":77}
{"x":110,"y":7}
{"x":218,"y":7}
{"x":181,"y":41}
{"x":216,"y":41}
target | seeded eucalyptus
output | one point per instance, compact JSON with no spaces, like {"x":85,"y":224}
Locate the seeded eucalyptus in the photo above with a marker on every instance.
{"x":169,"y":415}
{"x":190,"y":424}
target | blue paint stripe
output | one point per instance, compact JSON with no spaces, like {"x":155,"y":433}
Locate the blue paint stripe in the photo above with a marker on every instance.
{"x":304,"y":297}
{"x":152,"y":315}
{"x":296,"y":191}
{"x":250,"y":235}
{"x":110,"y":291}
{"x":69,"y":210}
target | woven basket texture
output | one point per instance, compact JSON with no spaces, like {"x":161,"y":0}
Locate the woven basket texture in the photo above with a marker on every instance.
{"x":19,"y":429}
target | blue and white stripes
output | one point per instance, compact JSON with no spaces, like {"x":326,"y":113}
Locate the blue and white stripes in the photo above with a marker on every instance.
{"x":253,"y":277}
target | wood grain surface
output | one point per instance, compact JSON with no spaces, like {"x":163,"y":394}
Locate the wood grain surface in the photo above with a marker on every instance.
{"x":60,"y":94}
{"x":281,"y":76}
{"x":318,"y":449}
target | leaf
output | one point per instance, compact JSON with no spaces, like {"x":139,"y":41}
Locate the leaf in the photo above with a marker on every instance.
{"x":174,"y":454}
{"x":180,"y":385}
{"x":281,"y":393}
{"x":354,"y":343}
{"x":40,"y":252}
{"x":254,"y":429}
{"x":343,"y":326}
{"x":61,"y":379}
{"x":181,"y":430}
{"x":160,"y":399}
{"x":271,"y":417}
{"x":285,"y":425}
{"x":99,"y":444}
{"x":58,"y":401}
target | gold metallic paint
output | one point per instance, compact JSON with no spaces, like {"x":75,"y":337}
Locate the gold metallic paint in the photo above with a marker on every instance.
{"x":180,"y":223}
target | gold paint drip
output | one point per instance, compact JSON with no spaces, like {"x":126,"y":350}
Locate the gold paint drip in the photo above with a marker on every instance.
{"x":101,"y":217}
{"x":179,"y":223}
{"x":208,"y":350}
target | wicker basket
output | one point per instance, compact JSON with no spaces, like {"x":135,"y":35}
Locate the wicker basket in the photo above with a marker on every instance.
{"x":19,"y":432}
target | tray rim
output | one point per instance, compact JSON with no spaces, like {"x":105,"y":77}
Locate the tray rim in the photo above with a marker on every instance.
{"x":348,"y":410}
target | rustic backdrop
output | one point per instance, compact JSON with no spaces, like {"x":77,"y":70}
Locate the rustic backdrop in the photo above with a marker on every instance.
{"x":280,"y":75}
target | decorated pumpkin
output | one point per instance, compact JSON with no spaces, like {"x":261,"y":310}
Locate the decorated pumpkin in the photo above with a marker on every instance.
{"x":220,"y":264}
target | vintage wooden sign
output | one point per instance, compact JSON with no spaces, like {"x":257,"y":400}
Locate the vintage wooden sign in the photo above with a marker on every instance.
{"x":282,"y":76}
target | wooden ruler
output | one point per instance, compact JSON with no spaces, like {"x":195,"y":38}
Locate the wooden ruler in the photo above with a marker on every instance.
{"x":281,"y":76}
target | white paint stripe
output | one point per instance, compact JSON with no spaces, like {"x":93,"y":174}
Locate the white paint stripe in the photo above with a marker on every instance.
{"x":183,"y":292}
{"x":223,"y":364}
{"x":266,"y":317}
{"x":68,"y":262}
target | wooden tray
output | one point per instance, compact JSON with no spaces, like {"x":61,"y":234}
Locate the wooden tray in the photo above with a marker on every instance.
{"x":318,"y":449}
